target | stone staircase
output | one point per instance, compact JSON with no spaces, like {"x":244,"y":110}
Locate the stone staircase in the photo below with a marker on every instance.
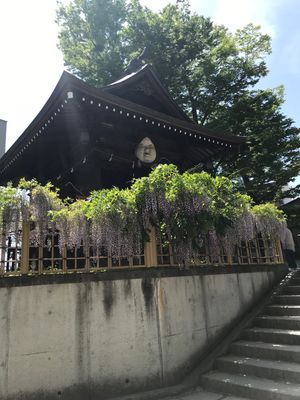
{"x":264,"y":364}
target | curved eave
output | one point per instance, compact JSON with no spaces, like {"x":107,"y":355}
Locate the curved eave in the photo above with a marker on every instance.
{"x":69,"y":83}
{"x":100,"y":94}
{"x":146,"y":72}
{"x":293,"y":203}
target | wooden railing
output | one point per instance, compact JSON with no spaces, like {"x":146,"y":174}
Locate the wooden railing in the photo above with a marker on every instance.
{"x":18,"y":256}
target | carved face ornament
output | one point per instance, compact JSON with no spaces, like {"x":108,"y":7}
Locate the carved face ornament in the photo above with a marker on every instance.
{"x":145,"y":151}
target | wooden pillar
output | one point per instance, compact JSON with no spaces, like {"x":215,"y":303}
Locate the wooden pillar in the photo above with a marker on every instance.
{"x":2,"y":252}
{"x":25,"y":248}
{"x":229,"y":259}
{"x":279,"y":251}
{"x":151,"y":249}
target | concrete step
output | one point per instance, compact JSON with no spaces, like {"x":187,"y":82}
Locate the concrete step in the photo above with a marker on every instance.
{"x":250,"y":386}
{"x":195,"y":394}
{"x":288,"y":299}
{"x":268,"y":351}
{"x":291,"y":289}
{"x":269,"y":369}
{"x":278,"y":336}
{"x":295,"y":281}
{"x":265,"y":362}
{"x":278,"y":309}
{"x":278,"y":322}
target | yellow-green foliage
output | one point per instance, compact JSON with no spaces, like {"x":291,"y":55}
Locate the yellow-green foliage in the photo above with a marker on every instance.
{"x":268,"y":211}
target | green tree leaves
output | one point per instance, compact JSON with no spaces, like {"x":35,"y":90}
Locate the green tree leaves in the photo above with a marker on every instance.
{"x":209,"y":71}
{"x":90,"y":38}
{"x":272,"y":157}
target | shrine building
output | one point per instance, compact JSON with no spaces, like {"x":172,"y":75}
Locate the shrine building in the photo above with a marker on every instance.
{"x":87,"y":138}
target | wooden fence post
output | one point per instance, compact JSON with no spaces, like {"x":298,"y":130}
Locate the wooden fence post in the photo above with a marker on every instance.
{"x":280,"y":253}
{"x":151,"y":249}
{"x":229,"y":259}
{"x":25,"y":248}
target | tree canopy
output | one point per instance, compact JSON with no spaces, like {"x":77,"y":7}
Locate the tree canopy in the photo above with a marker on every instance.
{"x":210,"y":72}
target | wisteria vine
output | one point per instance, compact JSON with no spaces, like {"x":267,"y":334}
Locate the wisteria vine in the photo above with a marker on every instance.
{"x":186,"y":209}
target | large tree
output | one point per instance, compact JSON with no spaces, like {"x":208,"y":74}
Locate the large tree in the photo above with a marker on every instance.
{"x":272,"y":157}
{"x":209,"y":71}
{"x":90,"y":38}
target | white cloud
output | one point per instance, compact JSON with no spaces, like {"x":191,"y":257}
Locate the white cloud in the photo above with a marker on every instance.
{"x":235,"y":14}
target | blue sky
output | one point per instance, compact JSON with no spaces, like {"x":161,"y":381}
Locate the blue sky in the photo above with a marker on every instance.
{"x":31,"y":64}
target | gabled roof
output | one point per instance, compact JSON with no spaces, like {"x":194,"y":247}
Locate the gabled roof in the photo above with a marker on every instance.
{"x":292,"y":203}
{"x":147,"y":82}
{"x":70,"y":89}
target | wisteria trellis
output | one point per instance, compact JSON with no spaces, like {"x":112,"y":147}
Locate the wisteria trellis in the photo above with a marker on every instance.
{"x":185,"y":208}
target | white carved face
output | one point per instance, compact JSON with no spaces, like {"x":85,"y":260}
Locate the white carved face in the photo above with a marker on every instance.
{"x":145,"y":151}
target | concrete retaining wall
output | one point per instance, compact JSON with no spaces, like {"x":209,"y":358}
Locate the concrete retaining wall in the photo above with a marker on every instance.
{"x":94,"y":336}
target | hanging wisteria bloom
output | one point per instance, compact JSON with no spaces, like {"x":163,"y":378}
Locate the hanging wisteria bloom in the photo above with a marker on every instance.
{"x":269,"y":220}
{"x":43,"y":199}
{"x":114,"y":223}
{"x":241,"y":230}
{"x":195,"y":216}
{"x":72,"y":225}
{"x":13,"y":210}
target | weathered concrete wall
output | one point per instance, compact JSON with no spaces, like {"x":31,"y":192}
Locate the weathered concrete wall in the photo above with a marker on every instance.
{"x":92,"y":338}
